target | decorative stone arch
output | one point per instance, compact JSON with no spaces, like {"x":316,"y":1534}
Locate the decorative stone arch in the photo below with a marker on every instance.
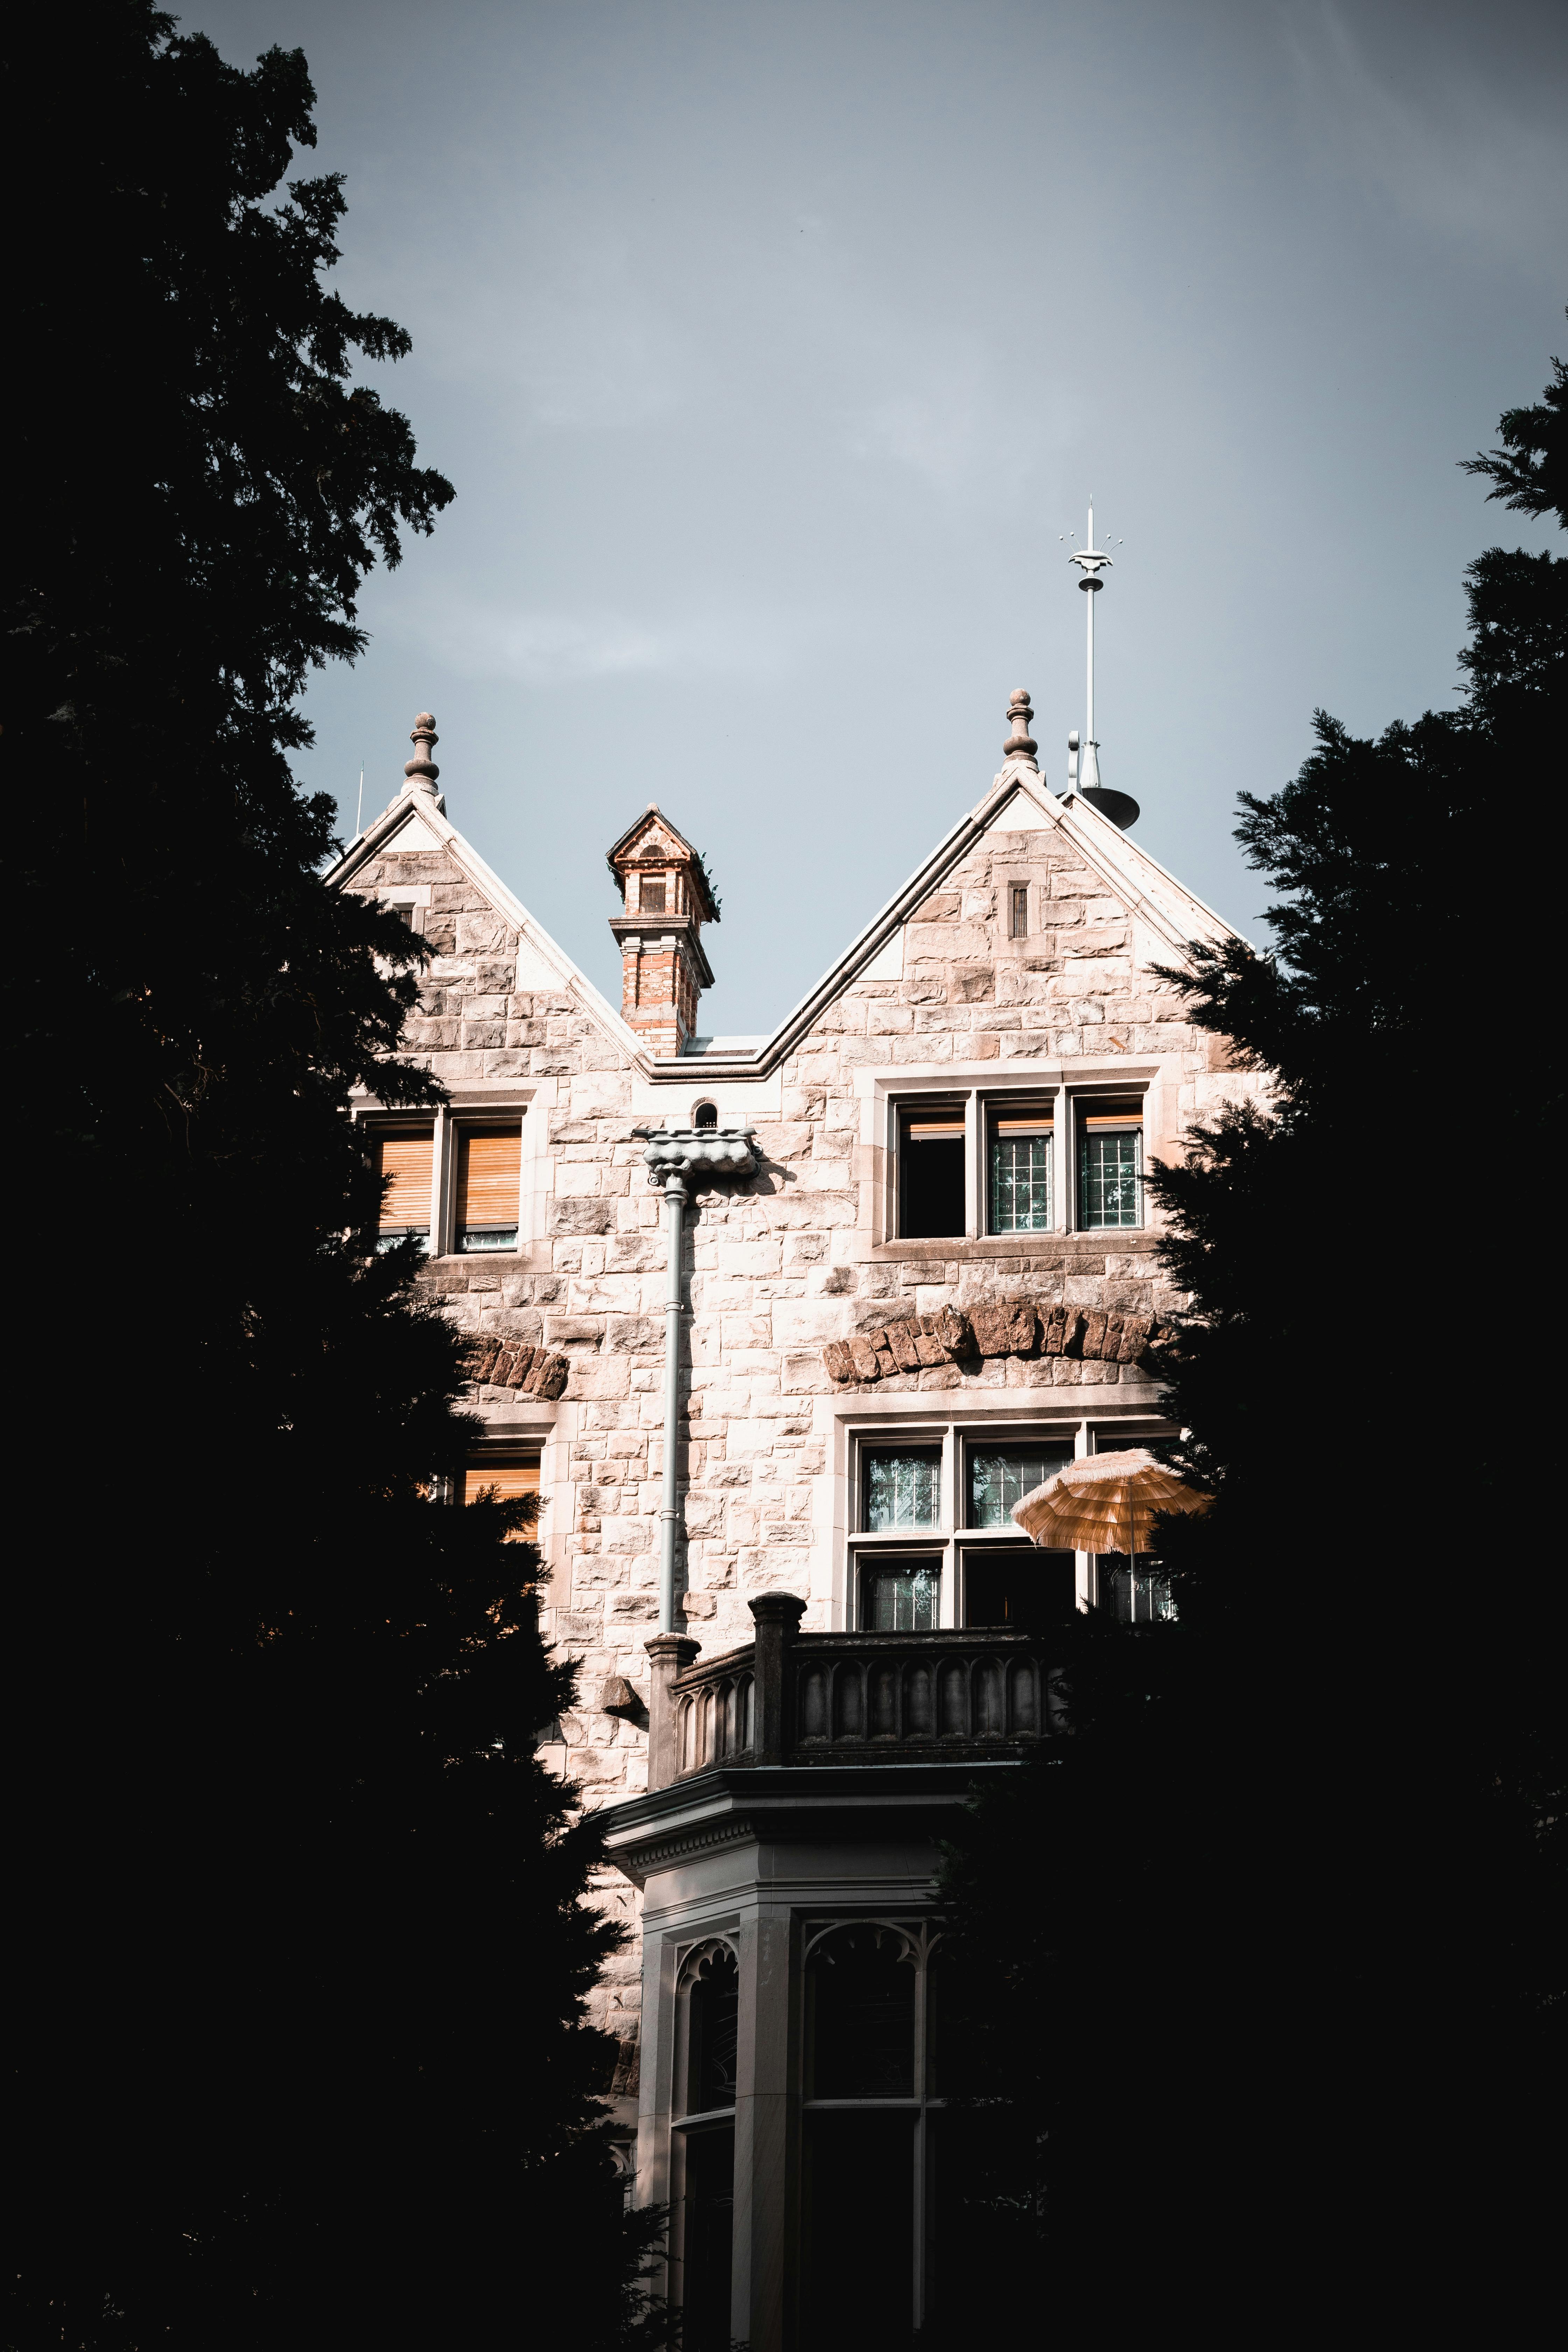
{"x":706,"y":1978}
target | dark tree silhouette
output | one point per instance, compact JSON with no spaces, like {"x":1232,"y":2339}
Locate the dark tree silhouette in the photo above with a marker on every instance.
{"x":1265,"y":1962}
{"x":299,"y":2055}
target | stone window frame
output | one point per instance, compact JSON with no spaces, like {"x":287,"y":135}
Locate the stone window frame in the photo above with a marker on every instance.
{"x":392,"y":896}
{"x":981,"y":1095}
{"x":470,"y":1106}
{"x":947,"y":1544}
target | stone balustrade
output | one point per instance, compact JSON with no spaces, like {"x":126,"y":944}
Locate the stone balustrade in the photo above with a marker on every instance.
{"x":805,"y":1698}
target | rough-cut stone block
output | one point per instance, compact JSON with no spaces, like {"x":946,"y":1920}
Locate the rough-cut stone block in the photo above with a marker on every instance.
{"x":902,"y":1339}
{"x":1005,"y":1327}
{"x":1072,"y":1329}
{"x":864,"y":1358}
{"x":583,"y":1214}
{"x":1053,"y":1325}
{"x":1135,"y":1335}
{"x":1093,"y":1334}
{"x":1110,"y":1346}
{"x":887,"y":1363}
{"x":929,"y":1351}
{"x":478,"y":1358}
{"x":548,"y":1377}
{"x":520,"y":1364}
{"x":951,"y":1331}
{"x":840,"y":1364}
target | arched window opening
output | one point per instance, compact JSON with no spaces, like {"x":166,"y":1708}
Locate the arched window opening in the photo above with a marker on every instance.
{"x":705,"y":1115}
{"x":860,"y":2004}
{"x":712,"y":2033}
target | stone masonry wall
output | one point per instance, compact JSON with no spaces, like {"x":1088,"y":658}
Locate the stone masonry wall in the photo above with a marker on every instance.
{"x":783,"y":1263}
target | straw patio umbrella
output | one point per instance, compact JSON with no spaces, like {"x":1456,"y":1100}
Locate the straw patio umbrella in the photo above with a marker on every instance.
{"x":1107,"y":1502}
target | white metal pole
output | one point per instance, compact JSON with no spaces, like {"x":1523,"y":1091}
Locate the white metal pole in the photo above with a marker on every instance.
{"x":1089,"y":600}
{"x":670,"y":1514}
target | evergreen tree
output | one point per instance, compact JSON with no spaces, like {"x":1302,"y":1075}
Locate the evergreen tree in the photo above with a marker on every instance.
{"x":1270,"y":2030}
{"x":300,"y":2048}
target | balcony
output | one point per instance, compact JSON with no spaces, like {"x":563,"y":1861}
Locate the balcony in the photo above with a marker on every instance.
{"x":794,"y":1698}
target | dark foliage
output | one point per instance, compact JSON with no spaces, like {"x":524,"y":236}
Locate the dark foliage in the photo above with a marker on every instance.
{"x":299,"y":2048}
{"x":1267,"y":1960}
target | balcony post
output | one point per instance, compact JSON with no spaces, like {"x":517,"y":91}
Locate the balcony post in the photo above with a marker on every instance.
{"x":778,"y":1616}
{"x":668,"y":1655}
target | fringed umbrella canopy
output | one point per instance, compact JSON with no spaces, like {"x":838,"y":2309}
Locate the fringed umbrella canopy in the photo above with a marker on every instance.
{"x":1105,"y":1502}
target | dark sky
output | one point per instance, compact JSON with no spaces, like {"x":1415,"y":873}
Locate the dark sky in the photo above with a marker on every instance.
{"x":771,"y":347}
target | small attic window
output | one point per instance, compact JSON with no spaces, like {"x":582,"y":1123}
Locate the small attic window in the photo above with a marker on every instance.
{"x":705,"y":1115}
{"x":650,"y":894}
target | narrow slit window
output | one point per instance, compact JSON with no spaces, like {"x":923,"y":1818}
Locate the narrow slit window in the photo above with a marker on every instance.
{"x":404,"y":1161}
{"x":931,"y":1174}
{"x":1021,"y":1170}
{"x":651,"y":894}
{"x":1110,"y":1165}
{"x":490,"y":1175}
{"x":1018,"y":910}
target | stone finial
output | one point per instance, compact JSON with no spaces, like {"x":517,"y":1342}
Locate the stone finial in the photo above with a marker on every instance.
{"x":1020,"y":745}
{"x":422,"y":771}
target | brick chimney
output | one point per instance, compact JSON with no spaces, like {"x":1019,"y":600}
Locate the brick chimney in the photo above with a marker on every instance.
{"x":668,"y":899}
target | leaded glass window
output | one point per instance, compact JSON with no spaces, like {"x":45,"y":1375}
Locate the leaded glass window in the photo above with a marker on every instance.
{"x":900,"y":1599}
{"x":1001,"y":1475}
{"x":1140,"y":1597}
{"x":1110,"y":1172}
{"x":903,"y":1489}
{"x":1021,"y":1173}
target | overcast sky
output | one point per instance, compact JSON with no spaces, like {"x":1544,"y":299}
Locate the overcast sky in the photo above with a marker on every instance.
{"x":771,"y":347}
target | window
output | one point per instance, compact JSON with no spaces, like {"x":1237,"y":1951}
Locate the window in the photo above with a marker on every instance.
{"x":931,"y":1172}
{"x":1018,"y":910}
{"x":1110,"y":1163}
{"x":899,"y":1596}
{"x":1001,"y":1475}
{"x":902,"y":1489}
{"x":650,"y":894}
{"x":714,"y":2021}
{"x":510,"y":1470}
{"x":867,"y":2138}
{"x":705,"y":1115}
{"x":1140,"y":1597}
{"x":1018,"y":1589}
{"x":403,"y":1162}
{"x":1020,"y":1194}
{"x":405,"y":915}
{"x":489,"y":1173}
{"x":707,"y":2148}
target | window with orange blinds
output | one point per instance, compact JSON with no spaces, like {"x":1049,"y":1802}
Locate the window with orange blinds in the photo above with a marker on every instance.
{"x":404,"y":1154}
{"x":490,"y":1172}
{"x":509,"y":1473}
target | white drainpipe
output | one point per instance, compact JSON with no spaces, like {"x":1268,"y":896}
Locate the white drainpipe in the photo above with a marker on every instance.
{"x":673,"y":1154}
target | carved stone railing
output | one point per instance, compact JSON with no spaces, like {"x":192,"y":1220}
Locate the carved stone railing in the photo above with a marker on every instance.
{"x":836,"y":1698}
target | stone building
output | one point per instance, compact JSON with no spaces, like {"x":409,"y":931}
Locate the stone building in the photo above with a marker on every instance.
{"x":916,"y":1273}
